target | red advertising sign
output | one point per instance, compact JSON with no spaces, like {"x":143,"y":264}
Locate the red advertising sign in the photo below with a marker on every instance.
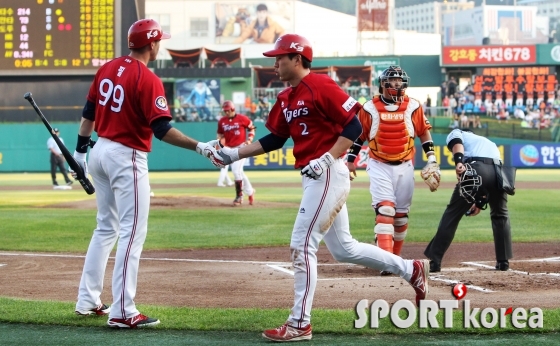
{"x":488,"y":55}
{"x":373,"y":15}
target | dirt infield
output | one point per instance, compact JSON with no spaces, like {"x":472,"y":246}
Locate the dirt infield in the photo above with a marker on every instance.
{"x":260,"y":278}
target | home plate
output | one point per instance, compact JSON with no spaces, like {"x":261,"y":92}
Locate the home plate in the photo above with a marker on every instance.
{"x":62,"y":187}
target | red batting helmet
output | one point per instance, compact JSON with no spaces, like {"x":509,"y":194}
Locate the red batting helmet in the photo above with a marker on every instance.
{"x":228,"y":106}
{"x":291,"y":43}
{"x":144,"y":31}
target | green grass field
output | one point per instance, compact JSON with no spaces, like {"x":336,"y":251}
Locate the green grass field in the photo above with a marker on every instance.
{"x":27,"y":225}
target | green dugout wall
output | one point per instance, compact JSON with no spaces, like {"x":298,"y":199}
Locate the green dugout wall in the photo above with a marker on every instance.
{"x":23,"y":148}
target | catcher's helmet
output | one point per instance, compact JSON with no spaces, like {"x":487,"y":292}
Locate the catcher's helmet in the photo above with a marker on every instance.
{"x":143,"y":32}
{"x":291,"y":43}
{"x":228,"y":106}
{"x":469,"y":184}
{"x":397,"y":94}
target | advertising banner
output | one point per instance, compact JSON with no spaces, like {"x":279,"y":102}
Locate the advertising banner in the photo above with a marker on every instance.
{"x":548,"y":54}
{"x":488,"y":55}
{"x":251,"y":22}
{"x":536,"y":155}
{"x":373,"y":15}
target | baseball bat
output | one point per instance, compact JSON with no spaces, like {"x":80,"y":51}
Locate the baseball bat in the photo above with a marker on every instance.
{"x":81,"y":177}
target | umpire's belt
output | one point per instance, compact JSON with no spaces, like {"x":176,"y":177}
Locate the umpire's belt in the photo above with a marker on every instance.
{"x":485,"y":160}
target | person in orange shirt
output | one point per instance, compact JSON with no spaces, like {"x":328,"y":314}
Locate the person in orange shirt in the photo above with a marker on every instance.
{"x":262,"y":30}
{"x":390,"y":122}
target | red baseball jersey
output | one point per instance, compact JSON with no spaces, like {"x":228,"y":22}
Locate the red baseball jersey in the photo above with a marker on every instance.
{"x":313,"y":113}
{"x":234,"y":129}
{"x":128,"y":97}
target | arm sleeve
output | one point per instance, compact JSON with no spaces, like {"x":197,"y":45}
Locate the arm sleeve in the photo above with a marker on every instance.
{"x":352,"y":130}
{"x":89,"y":111}
{"x":272,"y":142}
{"x":160,"y":127}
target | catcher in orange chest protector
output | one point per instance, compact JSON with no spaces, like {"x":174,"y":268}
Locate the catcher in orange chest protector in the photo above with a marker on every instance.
{"x":390,"y":122}
{"x":235,"y":131}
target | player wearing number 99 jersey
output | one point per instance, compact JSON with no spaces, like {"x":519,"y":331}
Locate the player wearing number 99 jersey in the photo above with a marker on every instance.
{"x":126,"y":105}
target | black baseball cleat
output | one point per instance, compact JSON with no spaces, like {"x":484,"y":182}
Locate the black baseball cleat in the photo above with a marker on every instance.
{"x":434,"y":267}
{"x":502,"y":265}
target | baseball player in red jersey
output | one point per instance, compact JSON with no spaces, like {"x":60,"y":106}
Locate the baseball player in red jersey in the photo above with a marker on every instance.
{"x":390,"y":123}
{"x":234,"y":131}
{"x":126,"y":105}
{"x":321,"y":119}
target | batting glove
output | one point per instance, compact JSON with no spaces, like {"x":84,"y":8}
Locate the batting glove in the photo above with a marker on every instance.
{"x":81,"y":159}
{"x":431,"y":173}
{"x":208,"y":150}
{"x":228,"y":155}
{"x":317,"y":167}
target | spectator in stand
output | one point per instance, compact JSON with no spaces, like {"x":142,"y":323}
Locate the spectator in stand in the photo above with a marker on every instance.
{"x":464,"y":121}
{"x":443,"y":90}
{"x":446,"y":108}
{"x":428,"y":111}
{"x":452,"y":105}
{"x":502,"y":115}
{"x":518,"y":113}
{"x":451,"y":87}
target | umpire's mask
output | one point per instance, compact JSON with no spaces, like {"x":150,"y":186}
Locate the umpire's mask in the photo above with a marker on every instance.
{"x":469,"y":184}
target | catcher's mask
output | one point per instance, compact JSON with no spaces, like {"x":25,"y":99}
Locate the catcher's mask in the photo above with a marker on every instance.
{"x":469,"y":184}
{"x":396,"y":93}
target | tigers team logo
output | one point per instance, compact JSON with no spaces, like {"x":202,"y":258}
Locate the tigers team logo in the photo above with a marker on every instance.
{"x":161,"y":103}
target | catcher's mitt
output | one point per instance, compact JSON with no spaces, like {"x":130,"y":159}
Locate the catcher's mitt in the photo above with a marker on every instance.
{"x":431,"y":175}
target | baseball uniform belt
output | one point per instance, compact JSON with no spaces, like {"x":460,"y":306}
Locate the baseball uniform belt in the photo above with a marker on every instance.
{"x":395,"y":163}
{"x":485,"y":160}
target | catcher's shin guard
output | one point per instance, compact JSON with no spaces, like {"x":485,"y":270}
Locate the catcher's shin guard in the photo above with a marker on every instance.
{"x":384,"y":229}
{"x":401,"y":226}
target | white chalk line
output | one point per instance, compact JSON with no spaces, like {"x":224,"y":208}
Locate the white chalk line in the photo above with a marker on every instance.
{"x":474,"y":287}
{"x":476,"y":264}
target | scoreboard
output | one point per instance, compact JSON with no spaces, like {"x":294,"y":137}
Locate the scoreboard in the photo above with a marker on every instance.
{"x":42,"y":37}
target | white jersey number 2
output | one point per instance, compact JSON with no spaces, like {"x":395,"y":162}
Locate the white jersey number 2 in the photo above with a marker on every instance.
{"x":110,"y":91}
{"x":304,"y":131}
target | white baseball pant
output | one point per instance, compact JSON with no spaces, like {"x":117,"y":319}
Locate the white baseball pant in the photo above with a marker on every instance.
{"x":323,"y":216}
{"x":122,"y":189}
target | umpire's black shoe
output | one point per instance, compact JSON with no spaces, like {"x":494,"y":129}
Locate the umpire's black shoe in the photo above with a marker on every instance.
{"x":502,"y":265}
{"x":434,"y":267}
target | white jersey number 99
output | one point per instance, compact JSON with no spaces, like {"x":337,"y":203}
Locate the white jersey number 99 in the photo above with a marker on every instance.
{"x":108,"y":91}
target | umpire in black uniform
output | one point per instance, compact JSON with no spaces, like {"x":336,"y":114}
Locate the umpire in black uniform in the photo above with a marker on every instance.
{"x":484,"y":157}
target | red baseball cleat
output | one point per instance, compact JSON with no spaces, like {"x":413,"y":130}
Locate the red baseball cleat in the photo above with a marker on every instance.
{"x":288,"y":333}
{"x":138,"y":321}
{"x":252,"y":197}
{"x":419,"y":279}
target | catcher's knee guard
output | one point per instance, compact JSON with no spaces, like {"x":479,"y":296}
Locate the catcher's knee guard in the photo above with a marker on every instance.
{"x":401,"y":226}
{"x":384,"y":230}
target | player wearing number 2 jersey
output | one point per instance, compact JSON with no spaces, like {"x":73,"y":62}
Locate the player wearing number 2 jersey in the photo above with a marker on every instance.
{"x":126,"y":105}
{"x":321,"y":119}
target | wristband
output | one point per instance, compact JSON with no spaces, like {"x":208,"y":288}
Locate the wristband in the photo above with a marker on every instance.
{"x":82,"y":145}
{"x":458,"y":158}
{"x":428,"y":146}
